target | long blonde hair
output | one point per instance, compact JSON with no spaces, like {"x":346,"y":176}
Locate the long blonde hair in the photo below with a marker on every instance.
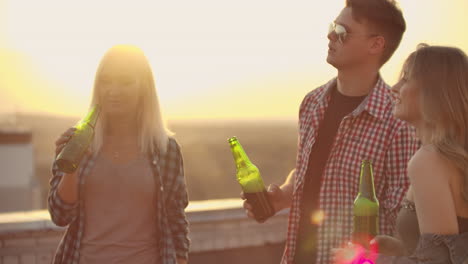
{"x":153,"y":133}
{"x":442,"y":73}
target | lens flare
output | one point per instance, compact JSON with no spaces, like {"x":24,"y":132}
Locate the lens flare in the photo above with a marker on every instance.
{"x":317,"y":217}
{"x":355,"y":254}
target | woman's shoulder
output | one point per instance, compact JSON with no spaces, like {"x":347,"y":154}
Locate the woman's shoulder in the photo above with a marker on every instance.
{"x":173,"y":150}
{"x":430,"y":174}
{"x":172,"y":143}
{"x":429,"y":163}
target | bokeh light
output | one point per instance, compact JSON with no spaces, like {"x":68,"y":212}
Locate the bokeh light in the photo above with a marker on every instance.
{"x":317,"y":217}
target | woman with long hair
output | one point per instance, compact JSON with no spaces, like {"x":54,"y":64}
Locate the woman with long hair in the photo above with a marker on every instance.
{"x":125,"y":203}
{"x":432,"y":225}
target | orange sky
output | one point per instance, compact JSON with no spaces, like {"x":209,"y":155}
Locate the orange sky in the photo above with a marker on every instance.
{"x":211,"y":58}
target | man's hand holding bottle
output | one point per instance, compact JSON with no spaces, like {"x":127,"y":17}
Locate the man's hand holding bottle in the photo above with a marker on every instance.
{"x":280,"y":198}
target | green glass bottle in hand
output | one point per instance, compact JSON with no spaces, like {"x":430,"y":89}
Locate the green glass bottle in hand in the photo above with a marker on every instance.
{"x":366,"y":208}
{"x":72,"y":153}
{"x":251,"y":183}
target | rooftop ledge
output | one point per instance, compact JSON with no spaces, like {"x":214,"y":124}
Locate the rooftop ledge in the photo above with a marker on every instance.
{"x":197,"y":212}
{"x":225,"y":218}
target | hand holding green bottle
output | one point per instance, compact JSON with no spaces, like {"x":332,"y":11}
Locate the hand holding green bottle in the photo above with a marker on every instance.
{"x":74,"y":145}
{"x":251,"y":183}
{"x":63,"y":140}
{"x":277,"y":196}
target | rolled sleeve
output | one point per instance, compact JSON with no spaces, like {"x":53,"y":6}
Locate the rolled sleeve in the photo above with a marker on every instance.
{"x":62,"y":213}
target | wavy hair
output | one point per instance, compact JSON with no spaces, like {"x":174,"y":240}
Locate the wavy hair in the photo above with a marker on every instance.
{"x":442,"y":72}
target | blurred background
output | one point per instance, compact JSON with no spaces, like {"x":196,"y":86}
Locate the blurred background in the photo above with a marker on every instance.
{"x":222,"y":68}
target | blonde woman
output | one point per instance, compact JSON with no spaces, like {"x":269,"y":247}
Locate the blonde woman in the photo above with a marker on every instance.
{"x":126,"y":201}
{"x":432,"y":224}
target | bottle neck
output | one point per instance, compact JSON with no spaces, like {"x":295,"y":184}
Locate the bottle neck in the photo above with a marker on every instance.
{"x":92,"y":116}
{"x":366,"y":181}
{"x":239,"y":155}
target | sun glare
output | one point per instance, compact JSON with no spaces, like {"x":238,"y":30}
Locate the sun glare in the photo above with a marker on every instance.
{"x":203,"y":53}
{"x":196,"y":50}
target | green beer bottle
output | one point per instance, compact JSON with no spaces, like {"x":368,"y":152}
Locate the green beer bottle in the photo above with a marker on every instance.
{"x":251,"y":182}
{"x":366,"y":208}
{"x":70,"y":157}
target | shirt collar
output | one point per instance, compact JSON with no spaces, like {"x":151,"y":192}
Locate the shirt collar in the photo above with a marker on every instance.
{"x":373,"y":104}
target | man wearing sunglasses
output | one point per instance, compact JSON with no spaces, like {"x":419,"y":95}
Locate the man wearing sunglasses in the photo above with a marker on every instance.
{"x":341,"y":123}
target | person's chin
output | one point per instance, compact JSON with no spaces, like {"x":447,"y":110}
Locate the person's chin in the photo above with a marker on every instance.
{"x":331,"y":60}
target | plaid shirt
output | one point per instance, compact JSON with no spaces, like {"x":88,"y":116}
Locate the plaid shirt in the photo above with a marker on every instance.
{"x":369,"y":132}
{"x":172,"y":200}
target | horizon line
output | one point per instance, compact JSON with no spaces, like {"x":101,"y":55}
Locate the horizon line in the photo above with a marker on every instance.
{"x":14,"y":115}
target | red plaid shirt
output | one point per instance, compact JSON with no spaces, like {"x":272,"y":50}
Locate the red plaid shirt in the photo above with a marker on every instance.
{"x":168,"y":171}
{"x":369,"y":132}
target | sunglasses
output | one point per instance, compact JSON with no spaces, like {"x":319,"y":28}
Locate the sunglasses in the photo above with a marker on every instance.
{"x":339,"y":30}
{"x":341,"y":33}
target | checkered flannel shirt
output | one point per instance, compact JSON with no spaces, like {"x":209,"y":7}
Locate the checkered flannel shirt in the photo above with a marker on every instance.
{"x":172,"y":200}
{"x":369,"y":132}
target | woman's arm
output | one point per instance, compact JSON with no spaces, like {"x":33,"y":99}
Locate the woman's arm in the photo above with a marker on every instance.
{"x":61,"y":211}
{"x":177,"y":200}
{"x":388,"y":245}
{"x":430,"y":175}
{"x":63,"y":192}
{"x":431,"y":249}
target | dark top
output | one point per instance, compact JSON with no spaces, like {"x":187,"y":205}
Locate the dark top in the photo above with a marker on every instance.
{"x":338,"y":107}
{"x":431,"y":249}
{"x":427,"y":247}
{"x":408,"y":228}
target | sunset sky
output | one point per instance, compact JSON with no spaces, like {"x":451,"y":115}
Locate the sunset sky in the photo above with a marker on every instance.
{"x":211,"y":58}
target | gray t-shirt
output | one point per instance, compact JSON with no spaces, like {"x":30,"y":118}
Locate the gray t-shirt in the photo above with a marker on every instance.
{"x":120,"y":213}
